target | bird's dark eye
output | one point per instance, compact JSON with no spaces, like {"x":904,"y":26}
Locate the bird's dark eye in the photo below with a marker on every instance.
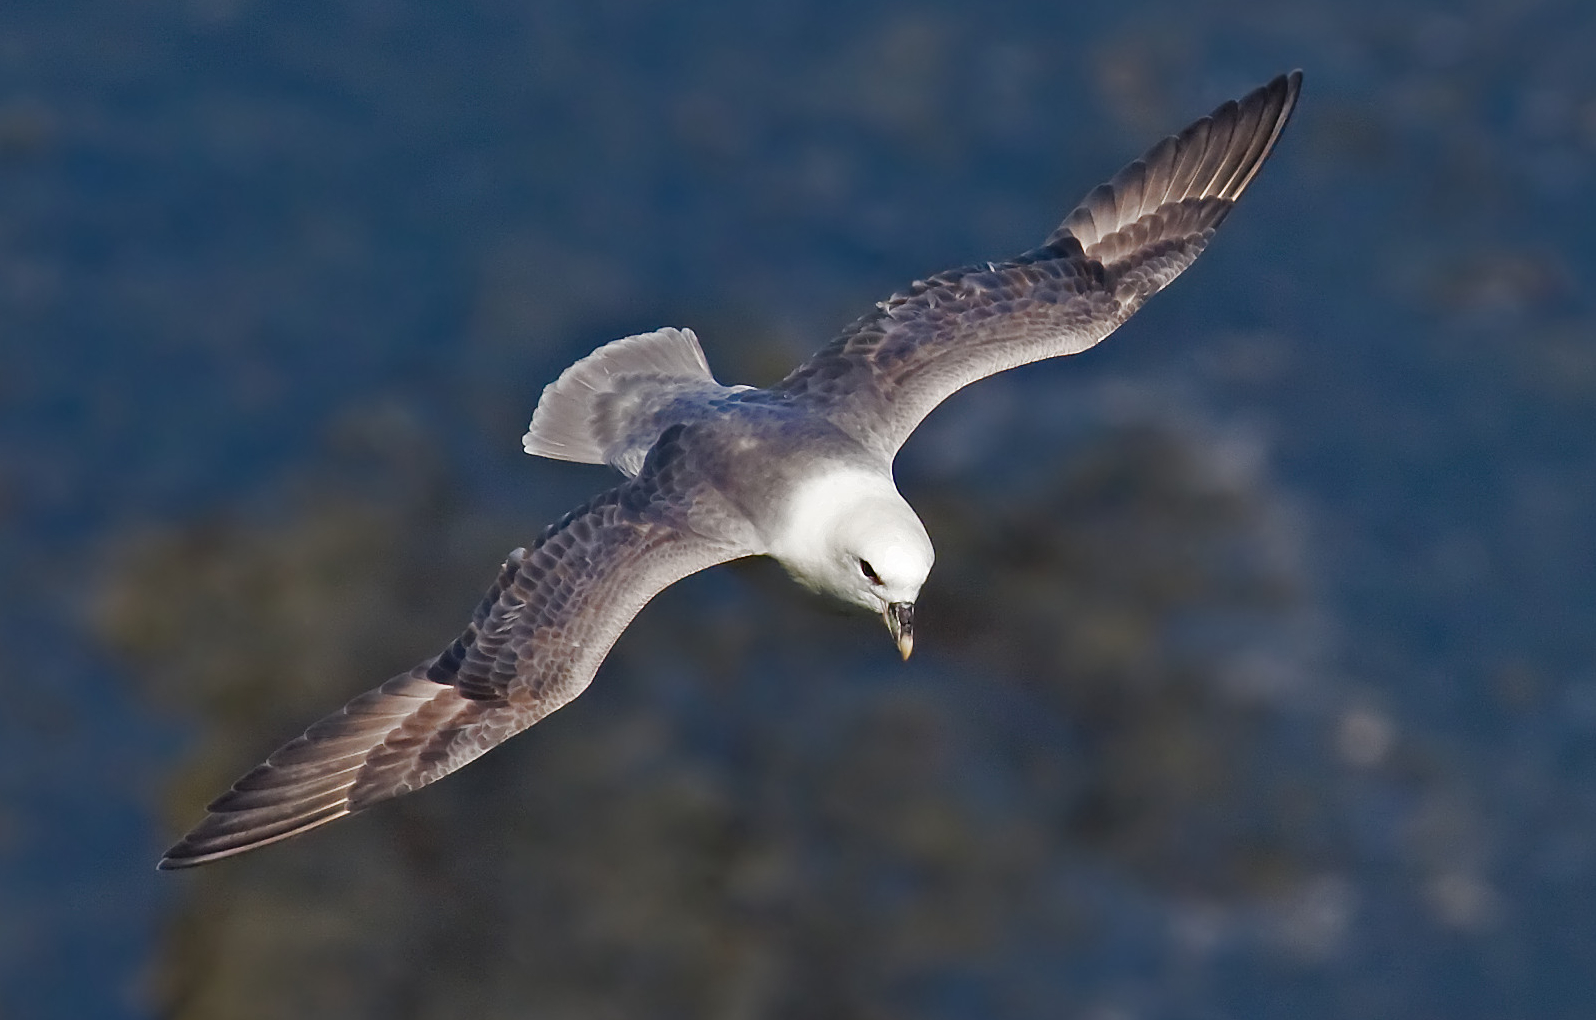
{"x":867,"y":570}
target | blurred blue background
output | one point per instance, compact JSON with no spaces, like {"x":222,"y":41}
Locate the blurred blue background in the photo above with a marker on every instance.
{"x":1255,"y":677}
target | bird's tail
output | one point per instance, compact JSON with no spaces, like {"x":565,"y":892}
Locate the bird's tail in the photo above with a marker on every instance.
{"x":601,"y":409}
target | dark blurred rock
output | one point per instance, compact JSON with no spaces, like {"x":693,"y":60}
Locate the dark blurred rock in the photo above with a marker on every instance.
{"x":747,"y":816}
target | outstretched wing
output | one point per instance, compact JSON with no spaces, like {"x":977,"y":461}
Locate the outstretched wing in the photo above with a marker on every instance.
{"x":1124,"y":243}
{"x":533,"y":644}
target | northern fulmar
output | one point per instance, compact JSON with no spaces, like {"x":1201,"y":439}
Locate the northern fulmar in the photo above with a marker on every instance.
{"x":801,"y":471}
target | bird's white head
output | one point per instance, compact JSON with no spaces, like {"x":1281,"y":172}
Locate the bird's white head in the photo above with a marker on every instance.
{"x":852,"y":536}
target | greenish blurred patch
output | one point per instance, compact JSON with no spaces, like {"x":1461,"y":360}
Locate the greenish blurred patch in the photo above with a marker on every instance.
{"x":756,"y":812}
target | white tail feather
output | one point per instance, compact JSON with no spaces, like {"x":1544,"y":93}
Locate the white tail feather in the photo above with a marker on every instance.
{"x":584,"y":413}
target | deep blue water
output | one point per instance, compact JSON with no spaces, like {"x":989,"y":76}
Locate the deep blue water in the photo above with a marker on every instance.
{"x":223,"y":223}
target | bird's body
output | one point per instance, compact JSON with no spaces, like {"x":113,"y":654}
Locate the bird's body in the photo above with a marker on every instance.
{"x":801,"y":471}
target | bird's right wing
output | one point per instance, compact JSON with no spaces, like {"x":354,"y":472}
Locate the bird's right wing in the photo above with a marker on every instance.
{"x":1123,"y":243}
{"x":534,"y":644}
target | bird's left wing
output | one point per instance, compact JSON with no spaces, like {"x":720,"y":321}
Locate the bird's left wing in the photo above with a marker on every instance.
{"x":1125,"y":242}
{"x":534,"y":644}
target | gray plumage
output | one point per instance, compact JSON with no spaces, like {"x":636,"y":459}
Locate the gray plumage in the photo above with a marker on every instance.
{"x":800,"y":471}
{"x":1124,"y":243}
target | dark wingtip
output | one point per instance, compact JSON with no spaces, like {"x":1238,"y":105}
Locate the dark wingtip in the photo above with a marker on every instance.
{"x":211,"y":840}
{"x":1278,"y":98}
{"x":1291,"y":84}
{"x":1289,"y":87}
{"x":183,"y":855}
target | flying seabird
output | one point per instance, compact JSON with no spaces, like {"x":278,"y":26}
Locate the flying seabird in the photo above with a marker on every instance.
{"x":801,"y":471}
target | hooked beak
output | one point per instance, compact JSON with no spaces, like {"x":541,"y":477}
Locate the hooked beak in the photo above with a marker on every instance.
{"x":900,"y":621}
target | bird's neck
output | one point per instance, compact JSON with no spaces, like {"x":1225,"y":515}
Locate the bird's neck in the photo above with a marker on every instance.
{"x":818,"y":510}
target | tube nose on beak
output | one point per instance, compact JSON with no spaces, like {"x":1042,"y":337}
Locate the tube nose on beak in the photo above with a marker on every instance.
{"x":900,"y":622}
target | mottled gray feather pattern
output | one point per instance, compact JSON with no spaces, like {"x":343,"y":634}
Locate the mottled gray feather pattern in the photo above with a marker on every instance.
{"x":533,"y":644}
{"x":1126,"y":241}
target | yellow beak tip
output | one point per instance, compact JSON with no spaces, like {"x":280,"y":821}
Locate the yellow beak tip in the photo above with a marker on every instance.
{"x":899,"y":618}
